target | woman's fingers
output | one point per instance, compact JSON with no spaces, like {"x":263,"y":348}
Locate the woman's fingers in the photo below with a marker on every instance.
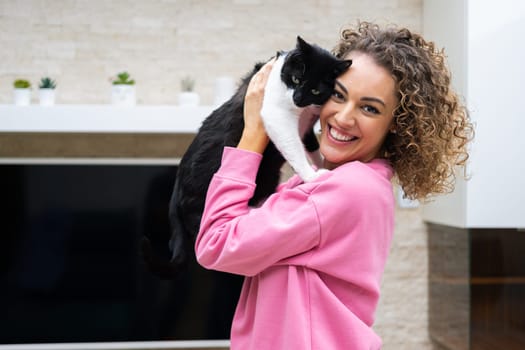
{"x":254,"y":136}
{"x":254,"y":96}
{"x":259,"y":79}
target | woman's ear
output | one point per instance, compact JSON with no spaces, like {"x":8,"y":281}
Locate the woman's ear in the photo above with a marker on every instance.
{"x":392,"y":129}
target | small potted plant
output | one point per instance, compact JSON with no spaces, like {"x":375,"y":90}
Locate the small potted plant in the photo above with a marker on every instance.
{"x":187,"y":96}
{"x":46,"y":91}
{"x":22,"y":92}
{"x":123,"y":90}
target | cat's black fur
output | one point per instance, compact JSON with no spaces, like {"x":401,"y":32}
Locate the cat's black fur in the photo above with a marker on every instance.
{"x":313,"y":68}
{"x":202,"y":159}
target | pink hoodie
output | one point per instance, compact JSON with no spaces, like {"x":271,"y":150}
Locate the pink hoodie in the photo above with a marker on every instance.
{"x":313,"y":253}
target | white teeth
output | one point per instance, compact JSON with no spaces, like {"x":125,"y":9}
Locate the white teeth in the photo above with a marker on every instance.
{"x":340,"y":137}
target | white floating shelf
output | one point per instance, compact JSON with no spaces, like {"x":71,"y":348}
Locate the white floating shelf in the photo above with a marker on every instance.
{"x":102,"y":118}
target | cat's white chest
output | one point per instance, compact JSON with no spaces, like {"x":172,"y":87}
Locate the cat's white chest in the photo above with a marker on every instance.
{"x":281,"y":120}
{"x":278,"y":97}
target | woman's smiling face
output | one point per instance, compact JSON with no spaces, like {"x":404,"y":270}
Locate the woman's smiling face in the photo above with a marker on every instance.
{"x":358,"y":116}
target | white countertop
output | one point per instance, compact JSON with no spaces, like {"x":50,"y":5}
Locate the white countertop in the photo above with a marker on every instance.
{"x":102,"y":118}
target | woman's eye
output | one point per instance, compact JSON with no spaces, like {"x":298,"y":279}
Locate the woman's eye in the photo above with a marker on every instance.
{"x":336,"y":95}
{"x":295,"y":80}
{"x":315,"y":92}
{"x":370,"y":109}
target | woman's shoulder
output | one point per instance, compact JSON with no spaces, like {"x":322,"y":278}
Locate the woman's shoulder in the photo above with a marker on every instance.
{"x":347,"y":176}
{"x":375,"y":169}
{"x":353,"y":182}
{"x":354,"y":175}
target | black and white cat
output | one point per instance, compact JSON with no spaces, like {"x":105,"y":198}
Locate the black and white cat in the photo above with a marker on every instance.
{"x":302,"y":77}
{"x":299,"y":82}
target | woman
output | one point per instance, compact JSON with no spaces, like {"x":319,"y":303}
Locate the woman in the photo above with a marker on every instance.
{"x":314,"y":253}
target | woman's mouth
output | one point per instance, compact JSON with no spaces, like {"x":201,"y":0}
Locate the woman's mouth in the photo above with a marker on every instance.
{"x":339,"y":136}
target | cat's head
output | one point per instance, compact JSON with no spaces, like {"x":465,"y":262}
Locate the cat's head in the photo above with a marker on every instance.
{"x":311,"y":72}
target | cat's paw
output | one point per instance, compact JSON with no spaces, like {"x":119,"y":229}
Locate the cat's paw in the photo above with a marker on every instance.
{"x":314,"y":175}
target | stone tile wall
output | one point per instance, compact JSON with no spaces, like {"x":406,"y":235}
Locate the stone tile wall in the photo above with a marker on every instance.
{"x":82,"y":43}
{"x":402,"y":316}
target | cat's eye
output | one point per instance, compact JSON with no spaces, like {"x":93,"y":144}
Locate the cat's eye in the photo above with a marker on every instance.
{"x":295,"y":80}
{"x":315,"y":92}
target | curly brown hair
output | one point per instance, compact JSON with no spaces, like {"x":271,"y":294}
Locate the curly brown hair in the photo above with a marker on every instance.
{"x":431,"y":127}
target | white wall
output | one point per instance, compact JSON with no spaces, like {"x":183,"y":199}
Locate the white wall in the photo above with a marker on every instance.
{"x":444,"y":22}
{"x":486,"y":55}
{"x":496,"y":95}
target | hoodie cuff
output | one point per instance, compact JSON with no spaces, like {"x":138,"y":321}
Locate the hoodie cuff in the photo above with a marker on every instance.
{"x":239,"y":164}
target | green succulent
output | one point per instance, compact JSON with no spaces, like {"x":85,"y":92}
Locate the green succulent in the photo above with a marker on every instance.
{"x":47,"y":83}
{"x":187,"y":84}
{"x":123,"y":79}
{"x":21,"y":84}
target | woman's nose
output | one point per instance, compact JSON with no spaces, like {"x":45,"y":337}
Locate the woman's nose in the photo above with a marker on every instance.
{"x":346,"y":117}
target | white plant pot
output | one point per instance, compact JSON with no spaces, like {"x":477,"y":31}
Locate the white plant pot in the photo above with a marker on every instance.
{"x":188,"y":98}
{"x":224,"y":90}
{"x":123,"y":95}
{"x":22,"y":97}
{"x":46,"y":96}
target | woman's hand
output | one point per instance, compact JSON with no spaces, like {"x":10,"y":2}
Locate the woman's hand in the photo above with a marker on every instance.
{"x":254,"y":137}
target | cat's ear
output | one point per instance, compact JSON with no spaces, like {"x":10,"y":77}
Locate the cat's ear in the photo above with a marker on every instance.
{"x":342,"y":67}
{"x":302,"y":45}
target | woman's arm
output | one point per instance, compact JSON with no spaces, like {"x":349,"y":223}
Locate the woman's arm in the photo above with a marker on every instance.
{"x":236,"y":238}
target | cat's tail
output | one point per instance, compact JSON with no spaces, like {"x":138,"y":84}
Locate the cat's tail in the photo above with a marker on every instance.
{"x":162,"y":265}
{"x":157,"y":264}
{"x":178,"y":242}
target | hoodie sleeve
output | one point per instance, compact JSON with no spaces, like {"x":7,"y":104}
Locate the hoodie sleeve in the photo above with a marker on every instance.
{"x":236,"y":238}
